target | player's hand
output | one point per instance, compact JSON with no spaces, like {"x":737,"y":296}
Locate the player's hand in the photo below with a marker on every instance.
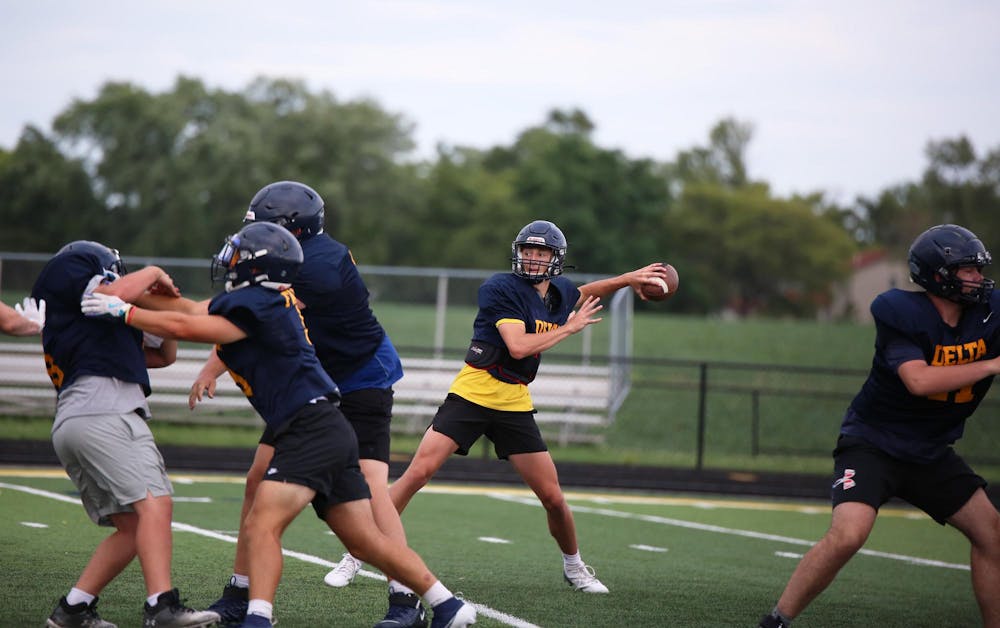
{"x":202,"y":386}
{"x":585,"y":315}
{"x":32,"y":310}
{"x":97,"y":304}
{"x":165,"y":286}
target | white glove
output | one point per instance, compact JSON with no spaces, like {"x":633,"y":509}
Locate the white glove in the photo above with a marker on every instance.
{"x":105,"y":305}
{"x":32,"y":310}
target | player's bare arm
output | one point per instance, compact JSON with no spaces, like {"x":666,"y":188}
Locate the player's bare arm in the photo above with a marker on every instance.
{"x":923,"y":380}
{"x":205,"y":383}
{"x":22,"y":321}
{"x":162,"y":355}
{"x":208,"y":329}
{"x":150,"y":301}
{"x":635,"y":279}
{"x":133,"y":286}
{"x":521,"y":344}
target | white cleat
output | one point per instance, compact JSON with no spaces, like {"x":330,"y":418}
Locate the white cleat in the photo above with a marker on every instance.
{"x":343,"y":574}
{"x":582,"y":578}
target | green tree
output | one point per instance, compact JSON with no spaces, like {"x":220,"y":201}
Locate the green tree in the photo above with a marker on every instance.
{"x":176,"y":170}
{"x":45,"y":197}
{"x":755,"y":254}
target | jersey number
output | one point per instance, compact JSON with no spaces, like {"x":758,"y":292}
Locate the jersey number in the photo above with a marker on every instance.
{"x":962,"y":395}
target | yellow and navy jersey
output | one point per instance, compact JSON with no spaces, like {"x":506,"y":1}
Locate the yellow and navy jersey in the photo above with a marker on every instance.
{"x":76,"y":345}
{"x":275,"y":365}
{"x":491,"y":377}
{"x":341,"y":324}
{"x":908,"y":327}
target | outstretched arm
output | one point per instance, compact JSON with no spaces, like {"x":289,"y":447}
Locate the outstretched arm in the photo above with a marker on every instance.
{"x":521,"y":344}
{"x":22,"y":321}
{"x":604,"y":288}
{"x":208,"y":328}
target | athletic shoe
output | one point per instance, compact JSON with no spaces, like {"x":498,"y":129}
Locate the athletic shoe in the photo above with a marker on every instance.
{"x":344,"y":572}
{"x":256,"y":621}
{"x":232,"y":606}
{"x":405,"y":611}
{"x":581,"y":577}
{"x":453,"y":613}
{"x":80,"y":615}
{"x":170,"y":612}
{"x":770,"y":621}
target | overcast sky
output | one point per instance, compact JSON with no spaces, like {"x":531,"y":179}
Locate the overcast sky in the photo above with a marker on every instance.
{"x":843,"y":96}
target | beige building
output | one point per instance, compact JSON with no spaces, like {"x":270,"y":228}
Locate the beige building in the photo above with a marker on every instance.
{"x":873,"y":272}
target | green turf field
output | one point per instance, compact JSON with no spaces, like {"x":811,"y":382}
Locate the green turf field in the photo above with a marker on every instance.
{"x":668,"y":560}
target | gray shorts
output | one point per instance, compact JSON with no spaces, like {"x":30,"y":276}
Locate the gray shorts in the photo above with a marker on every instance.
{"x":112,"y":460}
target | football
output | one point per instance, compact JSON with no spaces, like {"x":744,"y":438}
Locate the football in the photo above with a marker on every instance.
{"x":662,"y":290}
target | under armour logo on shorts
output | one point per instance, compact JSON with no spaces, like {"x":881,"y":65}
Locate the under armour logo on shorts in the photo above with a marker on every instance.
{"x":847,"y":480}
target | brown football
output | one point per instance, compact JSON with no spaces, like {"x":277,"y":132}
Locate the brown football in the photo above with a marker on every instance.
{"x":664,"y":289}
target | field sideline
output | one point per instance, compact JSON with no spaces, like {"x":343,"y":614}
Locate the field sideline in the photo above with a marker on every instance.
{"x":680,"y":560}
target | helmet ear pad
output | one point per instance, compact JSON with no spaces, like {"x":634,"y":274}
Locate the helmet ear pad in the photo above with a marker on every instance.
{"x":541,"y":233}
{"x":938,"y":253}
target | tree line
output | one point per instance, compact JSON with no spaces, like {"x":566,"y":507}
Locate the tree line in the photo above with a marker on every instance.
{"x":171,"y":173}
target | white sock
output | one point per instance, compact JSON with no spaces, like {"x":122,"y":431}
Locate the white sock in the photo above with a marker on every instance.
{"x":395,"y":586}
{"x":240,"y":581}
{"x":77,"y":596}
{"x":572,"y":560}
{"x":260,"y":607}
{"x":436,"y":594}
{"x":153,"y":599}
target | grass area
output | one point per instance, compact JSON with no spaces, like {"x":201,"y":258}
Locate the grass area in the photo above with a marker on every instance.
{"x":684,"y":561}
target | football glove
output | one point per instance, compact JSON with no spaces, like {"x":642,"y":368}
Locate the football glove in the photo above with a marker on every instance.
{"x":32,"y":310}
{"x":104,"y":305}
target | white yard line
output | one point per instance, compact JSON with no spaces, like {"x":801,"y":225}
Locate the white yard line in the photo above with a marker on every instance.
{"x":705,"y":527}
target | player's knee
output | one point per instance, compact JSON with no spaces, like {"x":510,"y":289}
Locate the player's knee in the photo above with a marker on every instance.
{"x":847,"y":539}
{"x":552,"y":500}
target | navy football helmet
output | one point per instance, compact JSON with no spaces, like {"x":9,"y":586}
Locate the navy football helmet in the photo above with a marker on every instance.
{"x":261,"y":253}
{"x":110,"y":259}
{"x":938,"y":252}
{"x":293,"y":205}
{"x":539,"y":233}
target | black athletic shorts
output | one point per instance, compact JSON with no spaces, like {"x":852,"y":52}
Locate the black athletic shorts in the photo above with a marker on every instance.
{"x":511,"y":432}
{"x":864,"y":473}
{"x":369,"y":411}
{"x":317,"y":448}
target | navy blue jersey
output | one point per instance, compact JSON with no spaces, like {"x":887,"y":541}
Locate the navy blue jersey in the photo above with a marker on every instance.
{"x":76,"y":345}
{"x":275,"y":365}
{"x":341,"y":324}
{"x":908,"y":327}
{"x":507,"y":297}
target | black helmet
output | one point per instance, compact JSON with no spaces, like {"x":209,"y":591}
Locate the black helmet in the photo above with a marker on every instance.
{"x":539,"y":233}
{"x":293,"y":205}
{"x":109,"y":258}
{"x":260,"y":253}
{"x":938,"y":252}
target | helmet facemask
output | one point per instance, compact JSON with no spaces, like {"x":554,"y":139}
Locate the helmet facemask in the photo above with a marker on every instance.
{"x":544,"y":234}
{"x":536,"y":270}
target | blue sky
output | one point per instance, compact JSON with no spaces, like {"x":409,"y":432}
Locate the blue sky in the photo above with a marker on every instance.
{"x":843,"y":96}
